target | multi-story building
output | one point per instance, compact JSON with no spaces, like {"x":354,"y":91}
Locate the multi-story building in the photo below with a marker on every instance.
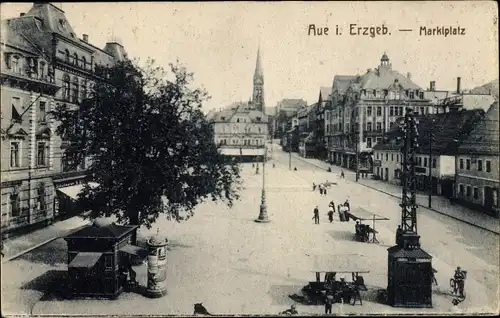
{"x":437,"y":154}
{"x":306,"y":130}
{"x":334,"y":117}
{"x":369,"y":107}
{"x":240,"y":132}
{"x":285,"y":109}
{"x":324,"y":103}
{"x":242,"y":129}
{"x":477,"y":165}
{"x":44,"y":64}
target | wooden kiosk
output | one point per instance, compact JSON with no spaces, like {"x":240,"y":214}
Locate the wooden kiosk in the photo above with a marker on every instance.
{"x":99,"y":259}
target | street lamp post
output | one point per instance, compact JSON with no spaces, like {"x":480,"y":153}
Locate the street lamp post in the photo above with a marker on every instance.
{"x":357,"y":156}
{"x":431,"y":138}
{"x":289,"y":151}
{"x":263,"y":218}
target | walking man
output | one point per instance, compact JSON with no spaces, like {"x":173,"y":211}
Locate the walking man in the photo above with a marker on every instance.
{"x":316,"y":215}
{"x":347,"y":205}
{"x":330,"y":214}
{"x":328,"y":304}
{"x":342,"y":174}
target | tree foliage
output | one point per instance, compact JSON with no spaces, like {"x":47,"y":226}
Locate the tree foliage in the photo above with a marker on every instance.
{"x":150,"y":146}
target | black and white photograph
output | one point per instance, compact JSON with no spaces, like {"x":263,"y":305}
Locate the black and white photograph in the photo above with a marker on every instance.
{"x":281,"y":158}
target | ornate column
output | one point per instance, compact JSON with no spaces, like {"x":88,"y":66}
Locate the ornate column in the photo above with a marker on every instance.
{"x":32,"y":144}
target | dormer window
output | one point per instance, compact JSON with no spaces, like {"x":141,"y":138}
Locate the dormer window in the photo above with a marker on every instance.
{"x":41,"y":70}
{"x":411,"y":94}
{"x":15,"y":64}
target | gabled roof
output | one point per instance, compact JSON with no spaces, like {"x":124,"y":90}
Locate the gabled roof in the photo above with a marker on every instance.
{"x":325,"y":93}
{"x":17,"y":39}
{"x":383,"y":78}
{"x":44,"y":19}
{"x":450,"y":130}
{"x":242,"y":109}
{"x":484,"y":139}
{"x":341,"y":83}
{"x":290,"y":103}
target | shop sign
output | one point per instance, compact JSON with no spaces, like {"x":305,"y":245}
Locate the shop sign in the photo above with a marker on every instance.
{"x":68,"y":183}
{"x":377,"y":163}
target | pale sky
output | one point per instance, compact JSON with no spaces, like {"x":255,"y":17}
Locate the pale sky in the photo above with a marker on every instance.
{"x":219,"y":41}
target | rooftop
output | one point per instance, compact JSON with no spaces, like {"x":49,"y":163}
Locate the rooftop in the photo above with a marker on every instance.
{"x":450,"y":130}
{"x":484,"y":139}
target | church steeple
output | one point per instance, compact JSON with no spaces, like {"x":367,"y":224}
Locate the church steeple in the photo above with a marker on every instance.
{"x":258,"y":84}
{"x":258,"y":67}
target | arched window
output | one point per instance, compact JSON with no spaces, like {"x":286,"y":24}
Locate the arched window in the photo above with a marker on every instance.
{"x":84,"y":63}
{"x":74,"y":94}
{"x":84,"y":89}
{"x":66,"y":87}
{"x":75,"y":59}
{"x":66,"y":55}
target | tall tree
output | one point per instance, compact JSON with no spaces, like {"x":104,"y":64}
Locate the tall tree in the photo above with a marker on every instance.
{"x":150,"y":146}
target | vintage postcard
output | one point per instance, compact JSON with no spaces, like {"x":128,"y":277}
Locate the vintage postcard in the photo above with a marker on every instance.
{"x":250,"y":158}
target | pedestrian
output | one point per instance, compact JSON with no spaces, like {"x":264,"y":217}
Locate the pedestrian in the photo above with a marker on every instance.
{"x":342,"y":174}
{"x":295,"y":169}
{"x":320,"y":189}
{"x":253,"y":165}
{"x":399,"y":233}
{"x":347,"y":205}
{"x":328,"y":304}
{"x":332,"y":205}
{"x":316,"y":215}
{"x":324,"y":191}
{"x":330,"y":214}
{"x":314,"y":186}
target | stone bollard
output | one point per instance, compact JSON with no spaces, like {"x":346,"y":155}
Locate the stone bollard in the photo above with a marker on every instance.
{"x":157,"y":266}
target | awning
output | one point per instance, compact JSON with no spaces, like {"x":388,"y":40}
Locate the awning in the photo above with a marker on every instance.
{"x":362,"y":214}
{"x":85,"y":260}
{"x":74,"y":191}
{"x":244,"y":151}
{"x":134,"y":250}
{"x":341,"y":263}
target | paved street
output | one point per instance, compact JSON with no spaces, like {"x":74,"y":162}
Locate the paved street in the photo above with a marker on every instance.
{"x":222,"y":258}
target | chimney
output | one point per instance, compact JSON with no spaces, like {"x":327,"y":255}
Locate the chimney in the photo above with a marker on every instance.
{"x":85,"y":38}
{"x":458,"y":85}
{"x":433,"y":86}
{"x":408,"y":75}
{"x":22,"y":14}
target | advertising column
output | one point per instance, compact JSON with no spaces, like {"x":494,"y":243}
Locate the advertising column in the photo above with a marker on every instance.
{"x":157,"y":267}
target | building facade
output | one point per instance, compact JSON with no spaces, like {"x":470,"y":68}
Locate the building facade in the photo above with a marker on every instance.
{"x":477,"y":165}
{"x":286,"y":109}
{"x":435,"y":155}
{"x":42,"y":47}
{"x":368,"y":108}
{"x":241,"y":132}
{"x":242,"y":129}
